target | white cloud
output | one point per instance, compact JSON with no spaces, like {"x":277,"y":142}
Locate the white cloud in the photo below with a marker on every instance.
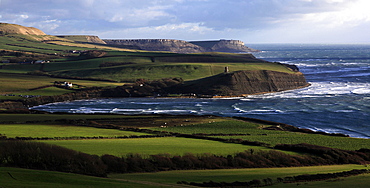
{"x":353,"y":15}
{"x":252,"y":20}
{"x":183,"y":31}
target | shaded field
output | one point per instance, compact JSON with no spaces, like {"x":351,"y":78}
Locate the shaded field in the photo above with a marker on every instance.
{"x":63,"y":131}
{"x":139,"y":121}
{"x":231,"y":175}
{"x":38,"y":178}
{"x":152,"y":146}
{"x":17,"y":177}
{"x":23,"y":118}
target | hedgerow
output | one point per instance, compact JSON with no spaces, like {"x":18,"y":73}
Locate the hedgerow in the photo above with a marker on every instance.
{"x":35,"y":155}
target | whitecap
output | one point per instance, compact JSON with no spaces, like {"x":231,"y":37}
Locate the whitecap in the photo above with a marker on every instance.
{"x":118,"y":110}
{"x":344,"y":111}
{"x":361,"y":91}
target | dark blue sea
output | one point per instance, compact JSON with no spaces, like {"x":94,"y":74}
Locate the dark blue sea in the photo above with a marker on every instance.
{"x":338,"y":101}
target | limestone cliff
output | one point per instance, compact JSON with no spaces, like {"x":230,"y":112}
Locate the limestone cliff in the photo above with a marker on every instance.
{"x":177,"y":46}
{"x":233,"y":46}
{"x":180,"y":46}
{"x":83,"y":38}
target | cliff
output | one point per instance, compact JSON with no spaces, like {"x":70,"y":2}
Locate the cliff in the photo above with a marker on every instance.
{"x":83,"y":38}
{"x":233,"y":46}
{"x":177,"y":46}
{"x":180,"y":46}
{"x":6,"y":28}
{"x":241,"y":83}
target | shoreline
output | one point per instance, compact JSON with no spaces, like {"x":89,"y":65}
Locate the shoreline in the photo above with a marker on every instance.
{"x":272,"y":125}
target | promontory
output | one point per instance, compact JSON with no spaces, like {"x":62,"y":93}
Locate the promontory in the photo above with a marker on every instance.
{"x":38,"y":68}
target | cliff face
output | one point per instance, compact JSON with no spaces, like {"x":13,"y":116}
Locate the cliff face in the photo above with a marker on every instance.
{"x":233,"y":46}
{"x":247,"y":82}
{"x":180,"y":46}
{"x":83,"y":38}
{"x":177,"y":46}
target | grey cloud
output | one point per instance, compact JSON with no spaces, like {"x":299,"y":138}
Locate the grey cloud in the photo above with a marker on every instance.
{"x":103,"y":16}
{"x":249,"y":14}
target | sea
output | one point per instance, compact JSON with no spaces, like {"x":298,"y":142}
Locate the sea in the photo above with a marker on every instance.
{"x":338,"y":100}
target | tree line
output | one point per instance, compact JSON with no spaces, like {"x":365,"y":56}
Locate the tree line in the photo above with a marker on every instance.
{"x":35,"y":155}
{"x":269,"y":181}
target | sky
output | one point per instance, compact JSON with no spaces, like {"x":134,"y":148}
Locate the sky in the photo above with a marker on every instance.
{"x":252,"y":21}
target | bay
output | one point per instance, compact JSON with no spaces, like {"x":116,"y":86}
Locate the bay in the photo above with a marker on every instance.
{"x":338,"y":100}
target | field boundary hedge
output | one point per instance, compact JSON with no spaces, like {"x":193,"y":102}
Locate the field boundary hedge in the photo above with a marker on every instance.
{"x":269,"y":181}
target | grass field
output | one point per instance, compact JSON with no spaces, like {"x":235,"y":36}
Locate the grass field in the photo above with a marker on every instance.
{"x":49,"y":91}
{"x":147,"y":65}
{"x":231,"y":175}
{"x":21,"y":84}
{"x":298,"y":138}
{"x":223,"y":127}
{"x":22,"y":118}
{"x":38,"y":179}
{"x":268,"y":136}
{"x":51,"y":131}
{"x":151,"y":146}
{"x":143,"y":121}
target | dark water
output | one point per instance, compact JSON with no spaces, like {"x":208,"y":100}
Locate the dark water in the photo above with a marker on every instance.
{"x":338,"y":100}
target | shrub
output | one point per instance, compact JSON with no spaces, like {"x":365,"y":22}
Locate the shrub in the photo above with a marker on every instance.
{"x":35,"y":155}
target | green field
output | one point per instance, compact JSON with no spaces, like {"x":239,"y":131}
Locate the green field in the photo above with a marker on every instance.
{"x":38,"y":178}
{"x":169,"y":146}
{"x":141,"y":64}
{"x":23,"y":118}
{"x":231,"y":175}
{"x":21,"y":84}
{"x":152,"y":146}
{"x":223,"y":127}
{"x":268,"y":136}
{"x":64,"y":131}
{"x":297,"y":138}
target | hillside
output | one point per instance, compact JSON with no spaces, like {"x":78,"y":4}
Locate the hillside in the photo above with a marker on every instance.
{"x":240,"y":83}
{"x":6,"y":28}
